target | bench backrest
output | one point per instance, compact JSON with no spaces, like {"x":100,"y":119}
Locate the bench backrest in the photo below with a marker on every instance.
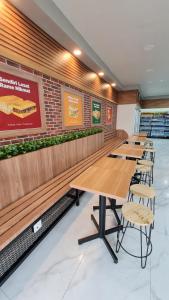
{"x":122,"y":134}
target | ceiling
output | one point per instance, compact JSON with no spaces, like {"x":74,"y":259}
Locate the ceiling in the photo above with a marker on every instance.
{"x":131,"y":37}
{"x":127,"y":39}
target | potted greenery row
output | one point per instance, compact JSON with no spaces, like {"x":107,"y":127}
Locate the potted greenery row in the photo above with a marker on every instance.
{"x":29,"y":146}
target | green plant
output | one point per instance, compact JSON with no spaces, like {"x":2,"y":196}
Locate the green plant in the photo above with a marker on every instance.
{"x":29,"y":146}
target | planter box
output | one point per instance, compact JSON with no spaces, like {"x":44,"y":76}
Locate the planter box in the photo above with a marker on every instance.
{"x":21,"y":174}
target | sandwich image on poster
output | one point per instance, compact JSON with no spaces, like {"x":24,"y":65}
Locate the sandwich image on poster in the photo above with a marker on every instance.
{"x":109,"y":115}
{"x":17,"y":106}
{"x":73,"y":110}
{"x":96,"y":112}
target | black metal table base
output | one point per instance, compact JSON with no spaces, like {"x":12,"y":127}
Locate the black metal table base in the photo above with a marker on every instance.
{"x":113,"y":206}
{"x":102,"y":232}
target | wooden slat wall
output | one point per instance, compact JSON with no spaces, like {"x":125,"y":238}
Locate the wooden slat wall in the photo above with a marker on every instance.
{"x":128,"y":97}
{"x":25,"y":43}
{"x":22,"y":174}
{"x":155,"y":103}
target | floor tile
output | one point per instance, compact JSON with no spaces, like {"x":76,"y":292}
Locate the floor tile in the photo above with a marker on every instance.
{"x":99,"y":278}
{"x":60,"y":269}
{"x":160,"y":267}
{"x":2,"y":296}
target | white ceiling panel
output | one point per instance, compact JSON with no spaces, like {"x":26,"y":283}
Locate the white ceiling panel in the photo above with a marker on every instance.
{"x":130,"y":36}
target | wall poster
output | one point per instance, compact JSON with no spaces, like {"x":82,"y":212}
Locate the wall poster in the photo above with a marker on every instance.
{"x":72,"y":103}
{"x":96,"y":112}
{"x":109,"y":115}
{"x":20,"y":108}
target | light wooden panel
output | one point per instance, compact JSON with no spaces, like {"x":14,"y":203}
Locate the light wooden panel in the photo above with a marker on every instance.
{"x":128,"y":152}
{"x":26,"y":43}
{"x":155,"y":103}
{"x":21,"y":174}
{"x":113,"y":178}
{"x":122,"y":134}
{"x":128,"y":97}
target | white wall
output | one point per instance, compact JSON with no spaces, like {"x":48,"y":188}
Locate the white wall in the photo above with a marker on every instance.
{"x":128,"y":118}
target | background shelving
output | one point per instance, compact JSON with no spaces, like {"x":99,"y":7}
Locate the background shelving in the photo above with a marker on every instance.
{"x":155,"y":124}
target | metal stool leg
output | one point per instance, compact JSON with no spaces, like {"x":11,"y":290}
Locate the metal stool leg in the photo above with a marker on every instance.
{"x":119,"y":242}
{"x":152,"y":206}
{"x":148,"y":243}
{"x":143,"y":257}
{"x":152,"y":171}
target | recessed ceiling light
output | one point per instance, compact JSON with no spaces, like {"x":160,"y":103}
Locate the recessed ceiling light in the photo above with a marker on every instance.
{"x":149,"y":47}
{"x":105,"y":86}
{"x":101,"y":73}
{"x":149,"y":70}
{"x":113,"y":84}
{"x":77,"y":52}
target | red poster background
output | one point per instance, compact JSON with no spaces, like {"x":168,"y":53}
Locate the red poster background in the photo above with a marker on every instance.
{"x":109,"y":115}
{"x":12,"y":122}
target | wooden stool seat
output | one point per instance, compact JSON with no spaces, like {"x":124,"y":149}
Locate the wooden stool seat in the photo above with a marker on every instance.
{"x":137,"y":214}
{"x":145,"y":173}
{"x":142,"y":190}
{"x":148,"y":143}
{"x":143,"y":169}
{"x":152,"y":150}
{"x":145,"y":162}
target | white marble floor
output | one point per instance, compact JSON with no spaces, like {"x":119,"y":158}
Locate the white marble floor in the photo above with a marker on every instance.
{"x":60,"y":269}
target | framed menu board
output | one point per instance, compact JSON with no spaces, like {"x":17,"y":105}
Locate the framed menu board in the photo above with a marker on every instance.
{"x":96,"y":112}
{"x":21,"y":103}
{"x":109,"y":115}
{"x":72,"y":108}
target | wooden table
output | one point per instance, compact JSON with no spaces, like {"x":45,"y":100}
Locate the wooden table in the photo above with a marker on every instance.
{"x":127,"y":150}
{"x":115,"y":163}
{"x":111,"y":178}
{"x":145,"y":134}
{"x":132,"y":146}
{"x":136,"y":139}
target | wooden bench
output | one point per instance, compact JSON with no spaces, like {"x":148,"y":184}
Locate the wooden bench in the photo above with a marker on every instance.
{"x":16,"y":217}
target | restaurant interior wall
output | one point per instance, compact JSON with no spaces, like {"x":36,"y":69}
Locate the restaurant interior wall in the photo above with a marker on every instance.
{"x":128,"y":117}
{"x":28,"y":48}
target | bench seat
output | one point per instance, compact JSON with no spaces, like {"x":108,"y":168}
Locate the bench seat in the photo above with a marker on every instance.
{"x":16,"y":217}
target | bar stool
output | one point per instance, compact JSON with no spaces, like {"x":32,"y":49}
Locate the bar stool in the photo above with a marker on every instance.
{"x":141,"y":218}
{"x":146,"y":195}
{"x":148,"y":143}
{"x":145,"y":174}
{"x":151,"y":152}
{"x":147,"y":163}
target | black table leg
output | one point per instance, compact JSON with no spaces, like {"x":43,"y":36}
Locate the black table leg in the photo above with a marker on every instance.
{"x":102,"y":232}
{"x":102,"y":215}
{"x":77,"y":197}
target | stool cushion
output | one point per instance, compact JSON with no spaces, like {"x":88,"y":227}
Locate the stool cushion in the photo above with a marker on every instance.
{"x":142,"y":190}
{"x":137,"y":214}
{"x":145,"y":162}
